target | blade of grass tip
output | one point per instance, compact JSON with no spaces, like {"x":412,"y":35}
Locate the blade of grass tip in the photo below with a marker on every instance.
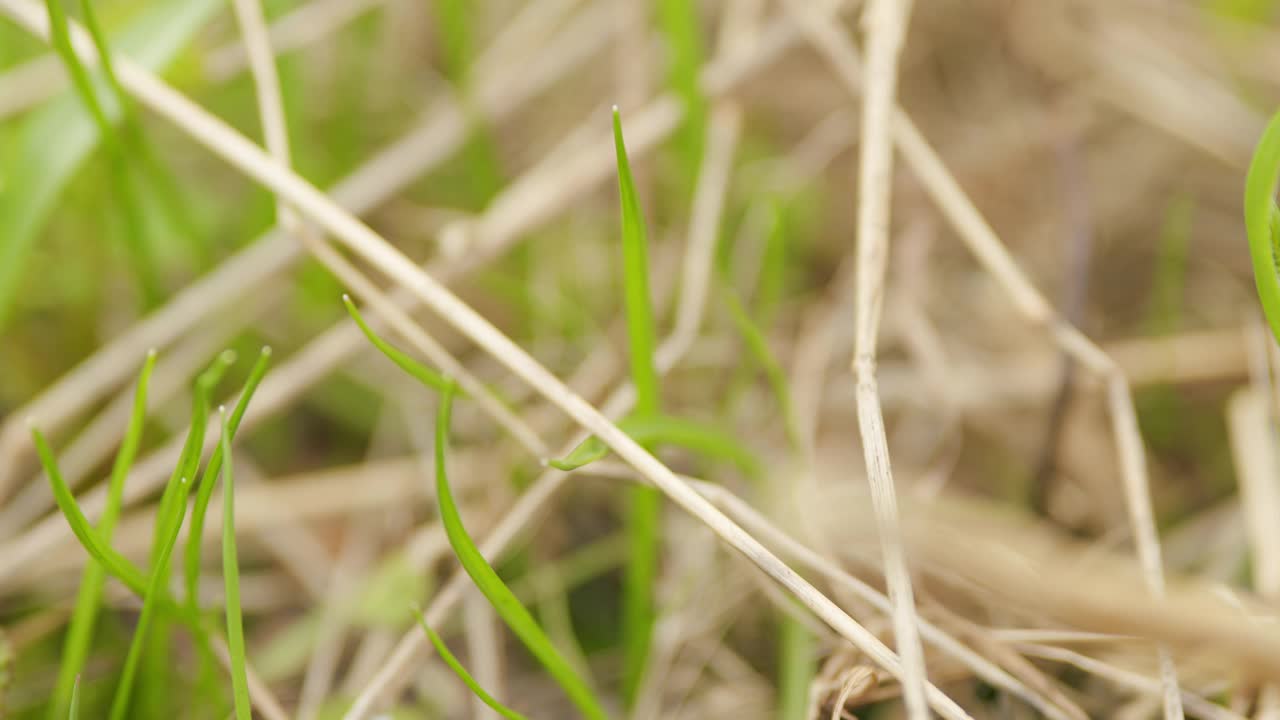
{"x":486,"y":579}
{"x":422,"y":373}
{"x":774,"y":263}
{"x":231,"y":580}
{"x":463,"y":675}
{"x":644,"y":504}
{"x":118,"y":160}
{"x":114,"y":563}
{"x":73,"y":712}
{"x":151,"y":599}
{"x":75,"y":648}
{"x":756,"y":343}
{"x":204,"y":490}
{"x":668,"y":430}
{"x":193,"y":446}
{"x":1262,"y":221}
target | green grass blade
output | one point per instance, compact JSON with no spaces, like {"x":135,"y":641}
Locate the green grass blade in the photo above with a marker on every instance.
{"x":1262,"y":221}
{"x":667,"y":430}
{"x":454,"y":24}
{"x":136,"y":244}
{"x":192,"y":449}
{"x":635,"y":268}
{"x":151,"y":599}
{"x":797,"y":654}
{"x":465,"y":676}
{"x":422,"y":373}
{"x":73,"y":712}
{"x":112,"y":561}
{"x":56,"y":140}
{"x":487,"y":580}
{"x":758,"y":345}
{"x":75,"y":648}
{"x":231,"y":581}
{"x":678,"y":23}
{"x":644,"y":504}
{"x":773,"y":264}
{"x":204,"y":491}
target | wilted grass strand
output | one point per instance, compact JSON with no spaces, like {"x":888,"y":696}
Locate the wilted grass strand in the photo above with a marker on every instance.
{"x":644,"y":504}
{"x":1262,"y":221}
{"x":463,"y":675}
{"x":487,"y":580}
{"x":667,"y":430}
{"x":204,"y":490}
{"x":231,"y":581}
{"x":422,"y":373}
{"x":75,"y":648}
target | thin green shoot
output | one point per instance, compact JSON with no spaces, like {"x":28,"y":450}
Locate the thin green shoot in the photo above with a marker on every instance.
{"x":758,"y":345}
{"x":58,"y":138}
{"x":1262,"y":221}
{"x":204,"y":490}
{"x":151,"y":598}
{"x":79,"y":637}
{"x":486,"y":579}
{"x":192,"y":449}
{"x":161,"y":181}
{"x":114,"y":563}
{"x":678,"y":23}
{"x":667,"y":430}
{"x":797,"y":653}
{"x":644,"y":504}
{"x":118,"y":159}
{"x":231,"y":579}
{"x":422,"y":373}
{"x":463,"y":675}
{"x":73,"y":711}
{"x":773,"y":263}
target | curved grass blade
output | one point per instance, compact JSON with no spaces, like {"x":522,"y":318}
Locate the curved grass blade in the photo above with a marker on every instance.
{"x":151,"y":598}
{"x":1262,"y":221}
{"x":231,"y":580}
{"x":114,"y":563}
{"x":756,"y":343}
{"x":205,"y":487}
{"x":644,"y":504}
{"x":667,"y":430}
{"x":57,"y":139}
{"x":499,"y":595}
{"x":80,"y":632}
{"x":463,"y":675}
{"x":424,"y":374}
